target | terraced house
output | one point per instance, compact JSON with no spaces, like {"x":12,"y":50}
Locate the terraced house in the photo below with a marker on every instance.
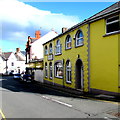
{"x":86,"y":56}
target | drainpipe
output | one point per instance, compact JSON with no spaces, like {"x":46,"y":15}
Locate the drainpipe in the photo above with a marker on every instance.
{"x":88,"y":57}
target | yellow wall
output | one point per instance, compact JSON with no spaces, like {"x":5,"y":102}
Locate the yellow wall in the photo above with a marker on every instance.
{"x":72,"y":55}
{"x":103,"y":58}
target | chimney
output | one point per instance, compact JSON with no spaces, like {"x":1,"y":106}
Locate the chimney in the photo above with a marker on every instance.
{"x":17,"y":50}
{"x":64,"y":29}
{"x":37,"y":34}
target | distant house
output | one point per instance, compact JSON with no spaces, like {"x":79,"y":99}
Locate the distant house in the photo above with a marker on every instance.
{"x":12,"y":62}
{"x":2,"y":64}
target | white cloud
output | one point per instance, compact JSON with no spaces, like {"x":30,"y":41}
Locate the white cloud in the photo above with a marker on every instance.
{"x":19,"y":19}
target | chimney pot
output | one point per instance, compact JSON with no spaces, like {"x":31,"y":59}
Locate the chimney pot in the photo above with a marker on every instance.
{"x":64,"y":29}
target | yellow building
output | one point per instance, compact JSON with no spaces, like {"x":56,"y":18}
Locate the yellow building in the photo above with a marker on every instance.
{"x":86,"y":56}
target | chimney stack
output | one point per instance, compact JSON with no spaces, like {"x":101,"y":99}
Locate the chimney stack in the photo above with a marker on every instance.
{"x":17,"y":50}
{"x":37,"y":34}
{"x":64,"y":29}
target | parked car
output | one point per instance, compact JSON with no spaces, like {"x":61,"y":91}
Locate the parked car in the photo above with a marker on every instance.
{"x":17,"y":76}
{"x":26,"y":78}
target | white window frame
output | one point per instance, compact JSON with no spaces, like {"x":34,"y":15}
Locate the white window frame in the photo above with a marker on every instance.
{"x":68,"y":72}
{"x":68,"y":41}
{"x":46,"y":70}
{"x":46,"y":50}
{"x":58,"y":47}
{"x":108,"y":23}
{"x":50,"y":48}
{"x":79,"y":39}
{"x":56,"y":73}
{"x":50,"y":70}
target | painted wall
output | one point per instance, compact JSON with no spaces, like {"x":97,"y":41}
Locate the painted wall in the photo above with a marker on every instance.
{"x":103,"y":58}
{"x":72,"y":55}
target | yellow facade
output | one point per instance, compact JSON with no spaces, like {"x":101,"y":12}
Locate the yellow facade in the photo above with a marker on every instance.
{"x":72,"y":55}
{"x":99,"y":56}
{"x":103,"y":58}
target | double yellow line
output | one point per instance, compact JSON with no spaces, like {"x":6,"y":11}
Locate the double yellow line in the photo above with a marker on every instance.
{"x":2,"y":114}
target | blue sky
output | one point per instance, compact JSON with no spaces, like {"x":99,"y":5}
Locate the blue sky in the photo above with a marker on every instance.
{"x":21,"y":19}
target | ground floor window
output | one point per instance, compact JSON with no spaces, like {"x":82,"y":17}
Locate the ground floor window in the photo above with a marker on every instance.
{"x":50,"y":69}
{"x":46,"y":70}
{"x":58,"y":70}
{"x":68,"y":72}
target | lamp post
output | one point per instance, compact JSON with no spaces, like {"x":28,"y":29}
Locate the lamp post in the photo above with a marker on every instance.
{"x":6,"y":65}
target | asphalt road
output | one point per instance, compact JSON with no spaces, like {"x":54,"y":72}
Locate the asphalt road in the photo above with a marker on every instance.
{"x":21,"y":100}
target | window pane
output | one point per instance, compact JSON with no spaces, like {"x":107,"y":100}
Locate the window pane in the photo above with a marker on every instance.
{"x":113,"y":27}
{"x":59,"y":70}
{"x":113,"y":19}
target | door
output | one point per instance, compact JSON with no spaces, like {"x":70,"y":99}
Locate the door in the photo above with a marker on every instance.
{"x":79,"y":74}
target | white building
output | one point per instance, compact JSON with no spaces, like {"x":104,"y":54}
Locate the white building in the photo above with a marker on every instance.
{"x":12,"y":62}
{"x":34,"y":49}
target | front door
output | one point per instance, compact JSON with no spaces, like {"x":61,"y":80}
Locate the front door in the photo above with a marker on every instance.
{"x":79,"y":74}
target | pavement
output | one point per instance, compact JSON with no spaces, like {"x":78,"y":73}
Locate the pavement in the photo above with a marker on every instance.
{"x":0,"y":116}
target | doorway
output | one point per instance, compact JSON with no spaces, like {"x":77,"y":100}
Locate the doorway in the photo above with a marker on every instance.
{"x":79,"y":74}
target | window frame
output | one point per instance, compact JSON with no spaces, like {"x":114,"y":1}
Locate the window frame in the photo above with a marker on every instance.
{"x":50,"y":70}
{"x":46,"y":70}
{"x":46,"y":50}
{"x":68,"y":72}
{"x":50,"y":48}
{"x":111,"y":22}
{"x":55,"y":71}
{"x":68,"y":41}
{"x":58,"y":49}
{"x":79,"y":39}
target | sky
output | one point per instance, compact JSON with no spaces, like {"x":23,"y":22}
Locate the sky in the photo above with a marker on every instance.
{"x":20,"y":19}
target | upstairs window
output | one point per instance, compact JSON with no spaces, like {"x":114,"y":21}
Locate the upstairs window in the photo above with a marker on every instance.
{"x":58,"y":47}
{"x":58,"y":70}
{"x":68,"y":42}
{"x":50,"y":48}
{"x":79,"y":38}
{"x":112,"y":24}
{"x":46,"y":50}
{"x":12,"y":64}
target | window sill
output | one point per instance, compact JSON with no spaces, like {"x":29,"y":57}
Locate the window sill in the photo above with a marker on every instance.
{"x":68,"y":48}
{"x":112,"y":33}
{"x":68,"y":82}
{"x":51,"y":78}
{"x":79,"y":45}
{"x":58,"y":54}
{"x":59,"y":77}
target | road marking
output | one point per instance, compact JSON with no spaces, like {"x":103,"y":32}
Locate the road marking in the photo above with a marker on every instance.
{"x":63,"y":103}
{"x":3,"y":116}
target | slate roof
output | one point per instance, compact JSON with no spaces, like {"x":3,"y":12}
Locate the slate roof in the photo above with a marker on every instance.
{"x":6,"y":54}
{"x":115,"y":8}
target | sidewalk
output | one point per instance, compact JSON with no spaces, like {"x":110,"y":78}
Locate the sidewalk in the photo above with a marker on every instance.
{"x":79,"y":93}
{"x":0,"y":116}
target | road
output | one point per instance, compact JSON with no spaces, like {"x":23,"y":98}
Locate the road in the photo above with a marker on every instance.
{"x":21,"y":100}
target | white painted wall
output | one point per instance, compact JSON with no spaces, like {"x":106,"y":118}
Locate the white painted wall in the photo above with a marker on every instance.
{"x":38,"y":76}
{"x":37,"y":46}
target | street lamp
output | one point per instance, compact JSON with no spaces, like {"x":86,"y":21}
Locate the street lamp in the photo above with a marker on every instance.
{"x":6,"y":65}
